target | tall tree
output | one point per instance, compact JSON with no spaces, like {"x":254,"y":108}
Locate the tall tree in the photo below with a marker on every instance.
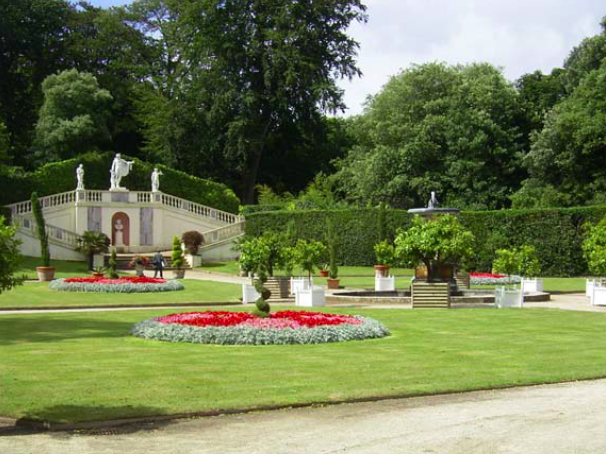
{"x":450,"y":129}
{"x":266,"y":62}
{"x":73,"y":118}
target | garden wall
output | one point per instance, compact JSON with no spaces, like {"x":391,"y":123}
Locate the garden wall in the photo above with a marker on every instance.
{"x":556,"y":234}
{"x":59,"y":177}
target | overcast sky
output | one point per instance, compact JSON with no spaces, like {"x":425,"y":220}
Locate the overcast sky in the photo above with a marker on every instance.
{"x":520,"y":36}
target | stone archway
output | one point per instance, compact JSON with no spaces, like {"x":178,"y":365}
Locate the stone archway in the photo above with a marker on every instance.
{"x":120,"y":230}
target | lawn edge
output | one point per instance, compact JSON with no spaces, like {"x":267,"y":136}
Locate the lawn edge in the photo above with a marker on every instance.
{"x":50,"y":426}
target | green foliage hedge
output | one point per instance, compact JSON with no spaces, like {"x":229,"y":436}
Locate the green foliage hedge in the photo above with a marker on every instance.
{"x":557,"y":234}
{"x":61,"y":177}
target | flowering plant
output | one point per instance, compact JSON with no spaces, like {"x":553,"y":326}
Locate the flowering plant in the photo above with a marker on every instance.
{"x":125,"y":284}
{"x":121,"y":280}
{"x":492,"y":279}
{"x":243,"y":328}
{"x":139,"y":260}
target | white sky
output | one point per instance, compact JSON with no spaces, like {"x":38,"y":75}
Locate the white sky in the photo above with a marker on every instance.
{"x":520,"y":36}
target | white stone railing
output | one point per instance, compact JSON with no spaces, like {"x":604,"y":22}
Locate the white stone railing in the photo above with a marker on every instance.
{"x":58,"y":234}
{"x":223,"y":233}
{"x":96,"y":196}
{"x":200,"y":210}
{"x":50,"y":201}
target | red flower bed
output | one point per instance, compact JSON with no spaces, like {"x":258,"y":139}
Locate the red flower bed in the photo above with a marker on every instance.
{"x":487,"y":275}
{"x":121,"y":280}
{"x":282,"y":319}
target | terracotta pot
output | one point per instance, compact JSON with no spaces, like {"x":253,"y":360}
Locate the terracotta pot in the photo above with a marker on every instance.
{"x":382,"y":270}
{"x":332,"y":283}
{"x":45,"y":273}
{"x":179,"y":274}
{"x":98,"y":275}
{"x":324,"y":273}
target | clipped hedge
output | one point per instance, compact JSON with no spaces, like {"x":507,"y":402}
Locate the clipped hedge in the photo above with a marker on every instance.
{"x":59,"y":177}
{"x":556,"y":234}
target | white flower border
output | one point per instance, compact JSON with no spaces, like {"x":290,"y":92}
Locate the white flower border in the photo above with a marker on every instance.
{"x":61,"y":286}
{"x":495,"y":280}
{"x":249,"y":335}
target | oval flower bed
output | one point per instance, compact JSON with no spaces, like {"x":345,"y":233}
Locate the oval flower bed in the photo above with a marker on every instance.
{"x":126,"y":284}
{"x":243,"y":328}
{"x":492,"y":279}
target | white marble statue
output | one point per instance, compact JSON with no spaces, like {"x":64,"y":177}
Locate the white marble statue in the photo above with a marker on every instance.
{"x":120,"y":168}
{"x":433,"y":202}
{"x":80,"y":177}
{"x":155,"y":180}
{"x":119,"y":233}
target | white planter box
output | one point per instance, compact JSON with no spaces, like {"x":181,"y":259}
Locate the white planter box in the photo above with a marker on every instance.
{"x":598,"y":296}
{"x":193,"y":260}
{"x":532,"y":285}
{"x":504,"y":298}
{"x":385,"y":284}
{"x":310,"y":297}
{"x":589,"y":285}
{"x":300,"y":283}
{"x":249,"y":294}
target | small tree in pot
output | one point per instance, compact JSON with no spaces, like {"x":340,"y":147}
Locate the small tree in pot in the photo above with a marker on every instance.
{"x":332,"y":240}
{"x":385,"y":255}
{"x":92,"y":243}
{"x":192,"y":241}
{"x":440,"y":244}
{"x":308,"y":255}
{"x":46,"y":272}
{"x":10,"y":258}
{"x":177,"y":260}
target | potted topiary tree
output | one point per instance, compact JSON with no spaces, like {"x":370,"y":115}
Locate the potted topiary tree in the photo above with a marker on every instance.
{"x":308,"y":255}
{"x":177,"y":261}
{"x":385,"y":255}
{"x":253,"y":257}
{"x":139,"y":263}
{"x":113,"y":274}
{"x":332,"y":240}
{"x":594,"y":251}
{"x":46,"y":272}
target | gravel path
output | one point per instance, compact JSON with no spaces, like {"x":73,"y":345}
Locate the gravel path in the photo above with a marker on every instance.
{"x":563,"y":418}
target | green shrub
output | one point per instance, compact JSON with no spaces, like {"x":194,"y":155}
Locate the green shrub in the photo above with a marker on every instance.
{"x":594,"y":247}
{"x":10,"y":258}
{"x":332,"y":241}
{"x":192,"y":241}
{"x":177,"y":254}
{"x":384,"y":253}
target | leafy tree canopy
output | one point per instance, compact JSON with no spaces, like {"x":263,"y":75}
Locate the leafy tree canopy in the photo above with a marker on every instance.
{"x":450,"y":129}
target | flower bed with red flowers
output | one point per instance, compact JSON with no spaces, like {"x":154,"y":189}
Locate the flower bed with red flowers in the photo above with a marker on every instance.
{"x":243,"y":328}
{"x":492,"y":279}
{"x":125,"y":284}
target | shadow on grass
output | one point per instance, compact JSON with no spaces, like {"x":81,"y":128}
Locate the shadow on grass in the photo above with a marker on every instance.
{"x":108,"y":420}
{"x":53,"y":329}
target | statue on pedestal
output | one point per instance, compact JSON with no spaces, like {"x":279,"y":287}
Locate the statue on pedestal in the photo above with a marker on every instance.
{"x":80,"y":178}
{"x":120,"y":168}
{"x":433,"y":202}
{"x":155,"y":180}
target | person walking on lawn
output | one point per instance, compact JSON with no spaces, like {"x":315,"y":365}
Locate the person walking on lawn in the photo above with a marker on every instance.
{"x":159,"y":264}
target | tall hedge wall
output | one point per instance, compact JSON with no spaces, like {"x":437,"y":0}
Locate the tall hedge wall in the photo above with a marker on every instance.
{"x":557,"y":234}
{"x":61,"y":176}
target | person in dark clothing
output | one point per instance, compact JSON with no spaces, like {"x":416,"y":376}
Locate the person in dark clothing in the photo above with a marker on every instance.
{"x":159,"y":264}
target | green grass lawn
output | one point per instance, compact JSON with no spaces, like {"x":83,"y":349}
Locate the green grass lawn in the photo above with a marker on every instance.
{"x":37,"y":294}
{"x":65,"y":268}
{"x":86,"y":366}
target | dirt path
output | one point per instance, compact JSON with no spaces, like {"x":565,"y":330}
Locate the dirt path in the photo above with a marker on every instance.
{"x":564,"y":418}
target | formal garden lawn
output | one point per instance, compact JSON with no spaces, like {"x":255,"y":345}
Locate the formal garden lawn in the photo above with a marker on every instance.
{"x":64,"y":268}
{"x":37,"y":294}
{"x":86,"y":366}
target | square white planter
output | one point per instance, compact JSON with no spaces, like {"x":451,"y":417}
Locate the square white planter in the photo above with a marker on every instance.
{"x":249,"y":294}
{"x":504,"y":298}
{"x":598,"y":297}
{"x":310,"y":297}
{"x":193,"y":260}
{"x":300,"y":283}
{"x":589,"y":285}
{"x":385,"y":284}
{"x":532,"y":285}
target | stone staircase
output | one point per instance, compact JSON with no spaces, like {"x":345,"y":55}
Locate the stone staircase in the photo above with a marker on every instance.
{"x":280,"y":290}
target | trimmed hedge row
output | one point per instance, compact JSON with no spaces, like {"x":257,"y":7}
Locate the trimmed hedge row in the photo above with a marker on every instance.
{"x":556,"y":234}
{"x":59,"y":177}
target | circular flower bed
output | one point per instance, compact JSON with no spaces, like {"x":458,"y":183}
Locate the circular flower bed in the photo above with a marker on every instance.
{"x":492,"y":279}
{"x":243,"y":328}
{"x":126,"y":284}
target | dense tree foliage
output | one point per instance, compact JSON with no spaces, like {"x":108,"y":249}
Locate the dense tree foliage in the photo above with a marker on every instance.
{"x":450,"y":129}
